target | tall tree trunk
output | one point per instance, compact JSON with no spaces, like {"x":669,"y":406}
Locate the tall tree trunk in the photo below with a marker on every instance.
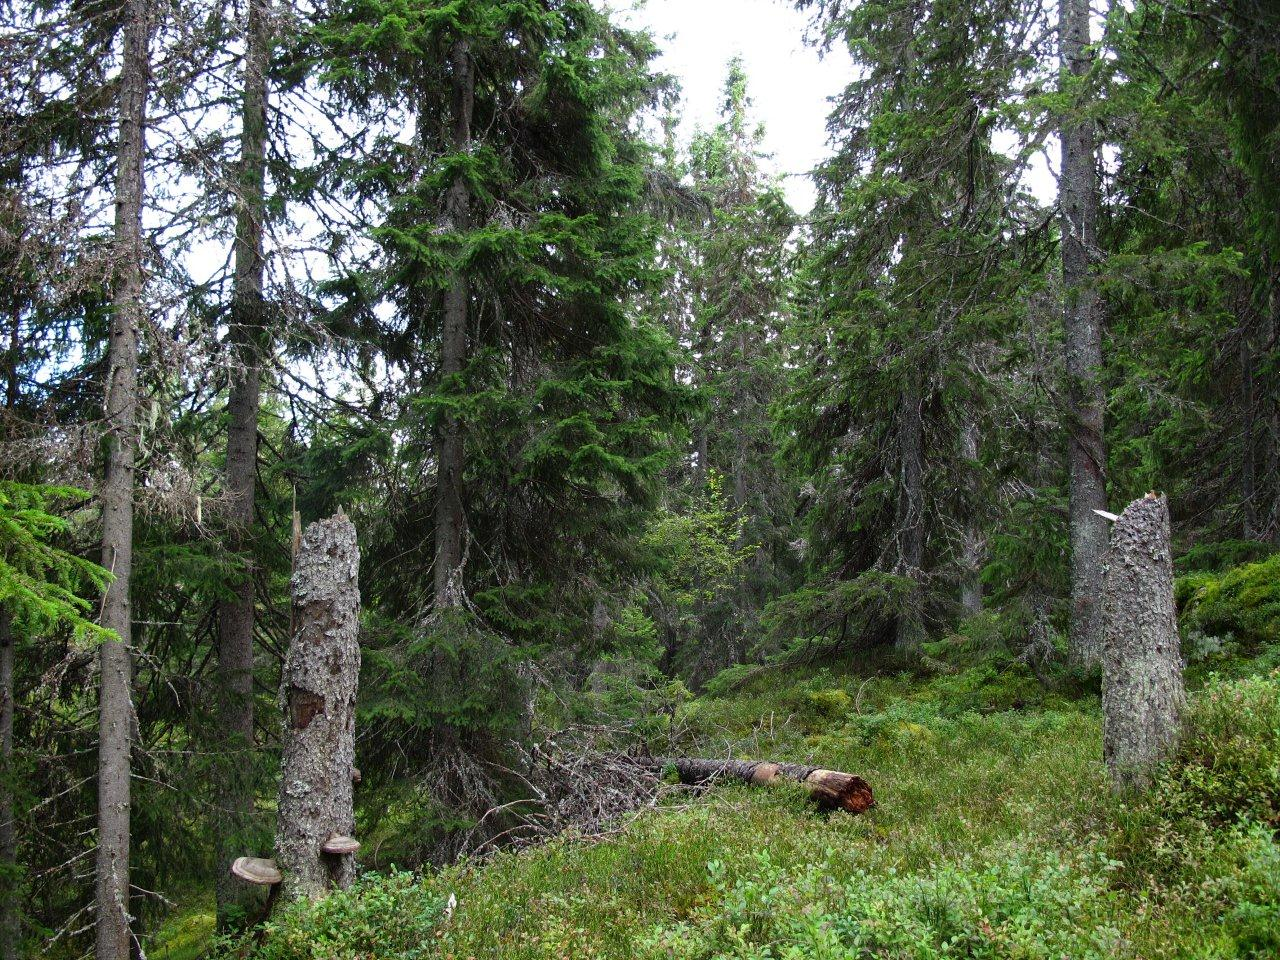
{"x":1248,"y":437}
{"x":450,"y":518}
{"x":8,"y":828}
{"x":1142,"y":692}
{"x":115,"y":719}
{"x":236,"y":614}
{"x":1086,"y":456}
{"x":910,"y":532}
{"x":699,"y":455}
{"x":9,"y":929}
{"x":318,"y":697}
{"x":971,"y":549}
{"x":1271,"y":395}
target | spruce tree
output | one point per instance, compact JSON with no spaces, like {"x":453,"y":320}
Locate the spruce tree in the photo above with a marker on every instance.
{"x":1083,"y":323}
{"x":910,"y":274}
{"x":115,"y":723}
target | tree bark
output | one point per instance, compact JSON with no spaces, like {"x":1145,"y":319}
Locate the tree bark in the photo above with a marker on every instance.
{"x":830,"y":789}
{"x":1271,"y":394}
{"x":973,"y":545}
{"x":910,"y":626}
{"x":1142,"y":692}
{"x":1248,"y":438}
{"x":115,"y":719}
{"x":9,"y":917}
{"x":318,"y":697}
{"x":1086,"y":453}
{"x":236,"y":614}
{"x":9,"y":932}
{"x":450,"y":516}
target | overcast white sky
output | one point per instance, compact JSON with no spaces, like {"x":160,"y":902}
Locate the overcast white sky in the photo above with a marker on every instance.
{"x":790,"y":84}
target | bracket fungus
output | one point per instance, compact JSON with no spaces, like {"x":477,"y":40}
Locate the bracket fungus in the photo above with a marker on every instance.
{"x":257,"y":870}
{"x":339,"y":844}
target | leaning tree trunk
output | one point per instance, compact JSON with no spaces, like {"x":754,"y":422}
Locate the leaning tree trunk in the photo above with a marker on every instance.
{"x":318,"y":697}
{"x":450,"y":516}
{"x":1086,"y":453}
{"x":830,"y":789}
{"x":115,"y":718}
{"x":1142,"y":693}
{"x":236,"y":613}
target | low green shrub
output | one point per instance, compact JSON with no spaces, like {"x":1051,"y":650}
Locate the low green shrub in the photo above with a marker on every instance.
{"x":1227,"y":767}
{"x":390,"y":917}
{"x":1017,"y":906}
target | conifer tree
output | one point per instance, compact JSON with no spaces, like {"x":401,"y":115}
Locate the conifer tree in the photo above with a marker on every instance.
{"x":115,"y":724}
{"x":249,"y":339}
{"x":908,"y":275}
{"x":1084,"y":319}
{"x":528,"y":406}
{"x":734,"y":262}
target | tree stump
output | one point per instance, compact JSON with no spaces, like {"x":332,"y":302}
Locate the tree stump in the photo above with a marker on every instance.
{"x":318,"y":697}
{"x":1142,"y":692}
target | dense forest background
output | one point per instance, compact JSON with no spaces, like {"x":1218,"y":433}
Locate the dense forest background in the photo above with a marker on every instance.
{"x":615,"y":425}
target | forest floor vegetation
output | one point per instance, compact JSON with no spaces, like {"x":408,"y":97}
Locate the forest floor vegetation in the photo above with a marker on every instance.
{"x":995,"y":835}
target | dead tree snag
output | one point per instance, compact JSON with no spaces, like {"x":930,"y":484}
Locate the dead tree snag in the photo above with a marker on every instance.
{"x":318,"y":698}
{"x":1142,"y":692}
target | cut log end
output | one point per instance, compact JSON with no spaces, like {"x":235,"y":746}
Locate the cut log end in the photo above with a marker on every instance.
{"x":830,"y":789}
{"x":834,"y":790}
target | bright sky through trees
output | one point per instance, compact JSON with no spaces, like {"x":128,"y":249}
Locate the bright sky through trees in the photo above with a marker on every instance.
{"x":790,"y":82}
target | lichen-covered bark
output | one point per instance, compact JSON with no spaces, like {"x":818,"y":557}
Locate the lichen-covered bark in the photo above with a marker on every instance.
{"x":318,"y":697}
{"x":909,"y":631}
{"x":1142,"y":692}
{"x":973,"y":543}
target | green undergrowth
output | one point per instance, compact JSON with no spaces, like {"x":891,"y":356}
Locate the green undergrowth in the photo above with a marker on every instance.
{"x":995,"y":835}
{"x":1230,"y":621}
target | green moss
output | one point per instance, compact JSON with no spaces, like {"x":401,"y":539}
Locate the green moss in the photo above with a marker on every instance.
{"x":1240,"y":606}
{"x":186,"y":934}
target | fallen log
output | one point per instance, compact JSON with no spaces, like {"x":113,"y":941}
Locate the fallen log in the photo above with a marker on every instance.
{"x":830,"y":789}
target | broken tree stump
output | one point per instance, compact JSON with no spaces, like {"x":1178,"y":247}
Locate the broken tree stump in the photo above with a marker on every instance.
{"x":318,"y":697}
{"x":830,"y":789}
{"x":1142,"y":692}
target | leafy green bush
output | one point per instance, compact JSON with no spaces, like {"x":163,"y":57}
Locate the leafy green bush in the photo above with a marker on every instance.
{"x":1241,"y":605}
{"x":391,"y":917}
{"x":1227,"y":767}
